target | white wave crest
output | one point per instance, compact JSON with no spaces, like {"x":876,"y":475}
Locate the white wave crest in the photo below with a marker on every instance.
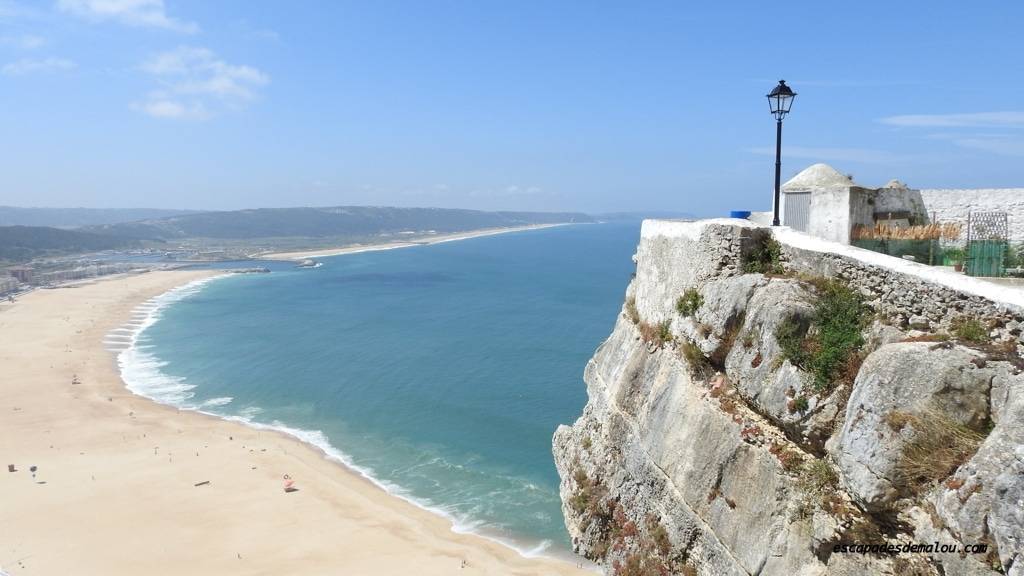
{"x":140,"y":369}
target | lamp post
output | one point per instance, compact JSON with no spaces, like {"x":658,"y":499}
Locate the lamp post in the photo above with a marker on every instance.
{"x":780,"y":100}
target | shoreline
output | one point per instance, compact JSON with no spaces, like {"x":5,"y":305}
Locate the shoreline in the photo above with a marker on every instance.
{"x":150,"y":310}
{"x":101,"y":452}
{"x":412,"y":241}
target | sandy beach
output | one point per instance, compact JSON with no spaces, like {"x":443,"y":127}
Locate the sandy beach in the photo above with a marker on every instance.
{"x":412,"y":241}
{"x":128,"y":486}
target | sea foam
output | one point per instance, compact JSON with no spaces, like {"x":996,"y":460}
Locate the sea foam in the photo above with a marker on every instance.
{"x":140,"y":368}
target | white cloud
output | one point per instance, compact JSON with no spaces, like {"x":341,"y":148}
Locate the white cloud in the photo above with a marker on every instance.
{"x":194,"y":80}
{"x":1004,"y":146}
{"x":141,"y":13}
{"x":37,"y":65}
{"x":161,"y":105}
{"x":1008,"y":119}
{"x":1001,"y":135}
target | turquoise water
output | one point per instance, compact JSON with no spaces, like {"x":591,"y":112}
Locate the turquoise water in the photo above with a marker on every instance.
{"x":440,"y":371}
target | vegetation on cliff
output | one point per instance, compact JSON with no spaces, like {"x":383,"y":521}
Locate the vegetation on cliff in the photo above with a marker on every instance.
{"x":764,"y":258}
{"x":826,"y":345}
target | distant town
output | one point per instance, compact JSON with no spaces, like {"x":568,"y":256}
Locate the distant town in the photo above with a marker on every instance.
{"x":42,"y":248}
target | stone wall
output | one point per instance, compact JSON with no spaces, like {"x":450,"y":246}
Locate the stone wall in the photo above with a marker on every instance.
{"x":906,"y":298}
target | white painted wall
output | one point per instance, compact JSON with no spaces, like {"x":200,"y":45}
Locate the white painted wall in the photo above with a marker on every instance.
{"x":955,"y":204}
{"x":830,"y":214}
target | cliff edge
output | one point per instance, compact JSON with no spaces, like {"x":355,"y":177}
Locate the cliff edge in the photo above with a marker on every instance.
{"x":766,"y":399}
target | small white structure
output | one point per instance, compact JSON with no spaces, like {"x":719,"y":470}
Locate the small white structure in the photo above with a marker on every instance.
{"x":828,"y":204}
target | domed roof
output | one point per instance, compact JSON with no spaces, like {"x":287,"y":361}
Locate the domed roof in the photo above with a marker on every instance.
{"x":894,"y":183}
{"x":818,"y":176}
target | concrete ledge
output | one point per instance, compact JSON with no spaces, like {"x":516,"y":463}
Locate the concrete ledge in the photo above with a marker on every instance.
{"x":689,"y":229}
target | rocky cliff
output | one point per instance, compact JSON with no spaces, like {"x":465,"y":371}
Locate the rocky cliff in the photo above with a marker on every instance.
{"x":765,"y":399}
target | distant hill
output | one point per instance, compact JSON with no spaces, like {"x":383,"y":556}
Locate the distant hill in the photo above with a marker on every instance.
{"x":336,"y":222}
{"x":78,"y":217}
{"x":23,"y":243}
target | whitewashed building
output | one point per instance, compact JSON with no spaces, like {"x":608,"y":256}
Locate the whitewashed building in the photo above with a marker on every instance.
{"x":828,"y":204}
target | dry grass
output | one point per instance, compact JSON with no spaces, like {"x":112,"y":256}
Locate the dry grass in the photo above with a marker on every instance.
{"x":656,"y":334}
{"x":818,"y":487}
{"x":897,"y":420}
{"x":938,"y":447}
{"x":699,"y":364}
{"x":631,"y":311}
{"x":937,"y":337}
{"x":791,"y":460}
{"x":945,"y":231}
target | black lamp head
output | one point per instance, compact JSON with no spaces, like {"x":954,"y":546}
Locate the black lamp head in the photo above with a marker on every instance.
{"x":780,"y":100}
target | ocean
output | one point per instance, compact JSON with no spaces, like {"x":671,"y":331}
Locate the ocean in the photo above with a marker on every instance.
{"x":440,"y":372}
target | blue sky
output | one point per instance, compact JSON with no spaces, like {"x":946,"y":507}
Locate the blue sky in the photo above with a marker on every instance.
{"x":592,"y":106}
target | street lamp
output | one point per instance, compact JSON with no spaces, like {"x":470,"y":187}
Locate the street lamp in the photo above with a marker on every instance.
{"x":780,"y":100}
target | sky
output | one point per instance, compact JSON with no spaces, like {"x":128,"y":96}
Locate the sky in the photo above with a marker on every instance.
{"x":590,"y":106}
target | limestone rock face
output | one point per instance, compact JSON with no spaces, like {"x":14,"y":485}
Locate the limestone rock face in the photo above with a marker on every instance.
{"x":724,"y":308}
{"x":655,"y":440}
{"x":759,"y":372}
{"x":984,"y":499}
{"x":712,"y":453}
{"x":915,"y":379}
{"x":1007,"y":520}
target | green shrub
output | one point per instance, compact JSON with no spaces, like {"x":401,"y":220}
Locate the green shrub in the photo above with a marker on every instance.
{"x":825,"y":346}
{"x":689,"y":302}
{"x":800,"y":404}
{"x":953,"y":255}
{"x":764,"y":258}
{"x":1011,"y":256}
{"x":790,"y":335}
{"x":970,"y":330}
{"x":839,"y":317}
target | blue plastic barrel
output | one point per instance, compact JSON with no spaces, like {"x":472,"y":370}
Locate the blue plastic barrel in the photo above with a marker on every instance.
{"x":742,"y":214}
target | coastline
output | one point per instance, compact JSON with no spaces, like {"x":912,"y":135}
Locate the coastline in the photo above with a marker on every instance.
{"x":120,"y":471}
{"x":413,"y":241}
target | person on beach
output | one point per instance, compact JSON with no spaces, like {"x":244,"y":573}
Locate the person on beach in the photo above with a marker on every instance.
{"x":289,"y":484}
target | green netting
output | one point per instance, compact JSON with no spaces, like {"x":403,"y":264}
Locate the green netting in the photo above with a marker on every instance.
{"x":985,"y":258}
{"x":924,"y":251}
